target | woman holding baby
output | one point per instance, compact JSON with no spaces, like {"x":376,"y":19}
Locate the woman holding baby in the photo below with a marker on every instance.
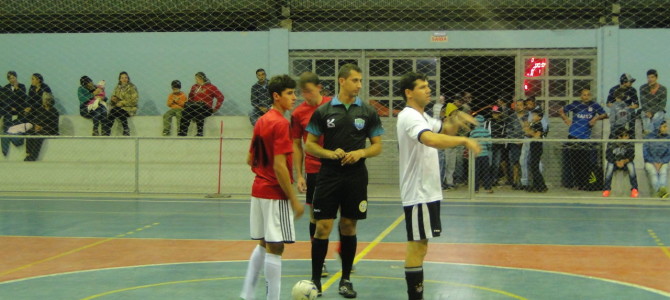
{"x":93,"y":104}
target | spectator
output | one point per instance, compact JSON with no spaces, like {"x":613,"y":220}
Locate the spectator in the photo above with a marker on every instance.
{"x":15,"y":100}
{"x":530,"y":105}
{"x":656,"y":159}
{"x":45,"y":122}
{"x":124,"y":103}
{"x":579,"y":158}
{"x":621,"y":115}
{"x":92,"y":106}
{"x":482,"y":162}
{"x":175,"y":102}
{"x":653,"y":98}
{"x":14,"y":133}
{"x":200,"y":104}
{"x":35,"y":93}
{"x":438,"y":108}
{"x":451,"y":155}
{"x":515,"y":131}
{"x":627,"y":103}
{"x":438,"y":113}
{"x":620,"y":156}
{"x":535,"y":131}
{"x":260,"y":99}
{"x":497,"y":126}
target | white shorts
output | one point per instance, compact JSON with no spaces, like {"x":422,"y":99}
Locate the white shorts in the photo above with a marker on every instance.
{"x":272,"y":220}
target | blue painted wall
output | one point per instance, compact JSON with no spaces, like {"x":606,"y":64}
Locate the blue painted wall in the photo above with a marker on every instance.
{"x":230,"y":58}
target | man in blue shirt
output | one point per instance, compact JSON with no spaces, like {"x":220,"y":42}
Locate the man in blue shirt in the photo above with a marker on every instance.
{"x":579,"y":157}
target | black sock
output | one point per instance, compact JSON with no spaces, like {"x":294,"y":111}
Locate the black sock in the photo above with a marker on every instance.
{"x":414,"y":278}
{"x":348,"y":244}
{"x":312,"y":230}
{"x":319,"y":251}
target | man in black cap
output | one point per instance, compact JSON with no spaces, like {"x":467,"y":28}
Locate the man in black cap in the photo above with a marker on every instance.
{"x":628,"y":94}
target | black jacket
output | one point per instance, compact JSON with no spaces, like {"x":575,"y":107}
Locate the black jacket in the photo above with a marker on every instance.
{"x":620,"y":150}
{"x":47,"y":119}
{"x":15,"y":100}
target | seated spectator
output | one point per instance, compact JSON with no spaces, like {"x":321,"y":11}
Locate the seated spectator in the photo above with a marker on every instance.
{"x":621,"y":113}
{"x":626,"y":93}
{"x":15,"y":100}
{"x":535,"y":131}
{"x":175,"y":102}
{"x":123,"y":103}
{"x":45,"y":122}
{"x":92,"y":106}
{"x":482,"y":162}
{"x":620,"y":156}
{"x":200,"y":104}
{"x":656,"y":159}
{"x":37,"y":89}
{"x":15,"y":131}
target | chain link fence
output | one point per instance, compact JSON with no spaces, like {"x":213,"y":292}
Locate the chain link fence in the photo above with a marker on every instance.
{"x":223,"y":49}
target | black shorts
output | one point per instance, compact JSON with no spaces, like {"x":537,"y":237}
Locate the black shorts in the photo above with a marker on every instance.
{"x":311,"y":183}
{"x":423,"y":221}
{"x":344,"y":189}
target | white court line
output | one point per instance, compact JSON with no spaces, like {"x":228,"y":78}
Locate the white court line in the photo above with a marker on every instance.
{"x":626,"y":284}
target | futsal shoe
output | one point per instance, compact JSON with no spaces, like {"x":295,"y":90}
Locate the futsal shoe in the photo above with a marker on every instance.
{"x":347,"y":289}
{"x":324,"y":271}
{"x":317,"y":283}
{"x":606,"y":193}
{"x":634,"y":193}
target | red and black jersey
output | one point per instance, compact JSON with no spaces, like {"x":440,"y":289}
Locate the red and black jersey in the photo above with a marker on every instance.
{"x":299,"y":120}
{"x":271,"y":137}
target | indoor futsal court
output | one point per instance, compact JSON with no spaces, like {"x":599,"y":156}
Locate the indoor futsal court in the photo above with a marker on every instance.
{"x":110,"y":247}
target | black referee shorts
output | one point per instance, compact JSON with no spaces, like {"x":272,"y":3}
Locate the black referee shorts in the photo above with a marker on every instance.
{"x":311,"y":184}
{"x":344,"y":189}
{"x":423,"y":221}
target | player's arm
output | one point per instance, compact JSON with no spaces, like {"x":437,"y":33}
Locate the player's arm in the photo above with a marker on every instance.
{"x":298,"y":158}
{"x":312,"y":147}
{"x":458,"y":121}
{"x":441,"y":141}
{"x":284,"y":179}
{"x":249,"y":159}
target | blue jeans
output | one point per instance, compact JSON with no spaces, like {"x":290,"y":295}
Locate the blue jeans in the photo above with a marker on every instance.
{"x":651,"y":124}
{"x":497,"y":159}
{"x":482,"y":173}
{"x":657,"y":178}
{"x":609,"y":173}
{"x":5,"y":141}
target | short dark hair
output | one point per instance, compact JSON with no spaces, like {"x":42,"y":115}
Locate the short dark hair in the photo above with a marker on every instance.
{"x":538,"y":112}
{"x":529,"y":99}
{"x":279,"y":83}
{"x":260,"y":70}
{"x":176,"y":84}
{"x":309,"y":77}
{"x":408,"y":82}
{"x":11,"y":73}
{"x":652,"y":72}
{"x":39,"y":77}
{"x":346,"y":69}
{"x":621,"y":131}
{"x":84,"y":80}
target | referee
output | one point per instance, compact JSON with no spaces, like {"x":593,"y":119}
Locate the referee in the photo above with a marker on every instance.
{"x":345,"y":124}
{"x":419,"y":137}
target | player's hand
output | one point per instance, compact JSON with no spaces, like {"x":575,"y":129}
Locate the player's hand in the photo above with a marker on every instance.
{"x":620,"y":163}
{"x":352,"y":157}
{"x":298,"y":209}
{"x":473,"y":145}
{"x":592,"y":122}
{"x":337,"y":154}
{"x":302,"y":185}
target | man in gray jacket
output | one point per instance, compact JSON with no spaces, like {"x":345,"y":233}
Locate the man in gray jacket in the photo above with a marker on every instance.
{"x":653,"y":97}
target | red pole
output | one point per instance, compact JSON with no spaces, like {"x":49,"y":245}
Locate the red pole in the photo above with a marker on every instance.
{"x":218,"y":191}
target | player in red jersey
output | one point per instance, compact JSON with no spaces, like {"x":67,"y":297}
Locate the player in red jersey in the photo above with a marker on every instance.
{"x":273,"y":199}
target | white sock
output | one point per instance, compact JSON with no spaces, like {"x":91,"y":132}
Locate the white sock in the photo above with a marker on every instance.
{"x":256,"y":261}
{"x":273,"y":275}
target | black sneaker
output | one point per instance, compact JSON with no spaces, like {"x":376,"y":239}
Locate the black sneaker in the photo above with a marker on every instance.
{"x":347,"y":289}
{"x":317,"y":283}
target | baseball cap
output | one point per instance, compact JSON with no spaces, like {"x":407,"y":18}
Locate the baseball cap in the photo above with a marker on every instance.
{"x":626,"y":77}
